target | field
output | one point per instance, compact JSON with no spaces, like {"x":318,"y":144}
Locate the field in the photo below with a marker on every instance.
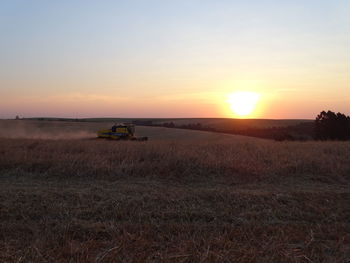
{"x":218,"y":123}
{"x":182,"y":196}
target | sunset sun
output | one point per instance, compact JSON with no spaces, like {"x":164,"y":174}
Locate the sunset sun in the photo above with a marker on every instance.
{"x":243,"y":103}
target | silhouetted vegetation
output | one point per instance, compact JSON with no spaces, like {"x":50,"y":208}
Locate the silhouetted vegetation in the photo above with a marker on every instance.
{"x":169,"y":124}
{"x":332,"y":126}
{"x":328,"y":126}
{"x":302,"y":132}
{"x":142,"y":122}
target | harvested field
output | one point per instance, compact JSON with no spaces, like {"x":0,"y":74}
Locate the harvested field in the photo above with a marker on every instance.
{"x":183,"y":196}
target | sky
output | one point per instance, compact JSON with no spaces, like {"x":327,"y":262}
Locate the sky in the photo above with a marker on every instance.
{"x":164,"y":58}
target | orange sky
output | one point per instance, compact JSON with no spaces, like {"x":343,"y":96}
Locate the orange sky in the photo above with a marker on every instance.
{"x":167,"y":59}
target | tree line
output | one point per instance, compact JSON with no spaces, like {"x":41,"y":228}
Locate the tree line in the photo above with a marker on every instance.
{"x":327,"y":126}
{"x":332,"y":126}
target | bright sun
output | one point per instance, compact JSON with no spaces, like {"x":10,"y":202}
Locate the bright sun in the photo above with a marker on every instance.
{"x":243,"y":103}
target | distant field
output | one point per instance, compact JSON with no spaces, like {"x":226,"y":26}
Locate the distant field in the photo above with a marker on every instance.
{"x":86,"y":130}
{"x":182,"y":196}
{"x":258,"y":128}
{"x":224,"y":123}
{"x":220,"y":123}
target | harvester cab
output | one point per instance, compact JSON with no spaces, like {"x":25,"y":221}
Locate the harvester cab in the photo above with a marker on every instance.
{"x":120,"y":131}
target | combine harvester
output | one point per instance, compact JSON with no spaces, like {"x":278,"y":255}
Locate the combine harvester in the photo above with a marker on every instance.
{"x":120,"y":131}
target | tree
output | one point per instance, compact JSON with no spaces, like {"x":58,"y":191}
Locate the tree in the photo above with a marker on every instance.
{"x":333,"y":126}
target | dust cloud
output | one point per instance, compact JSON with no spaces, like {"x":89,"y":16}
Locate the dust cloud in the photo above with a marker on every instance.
{"x":45,"y":130}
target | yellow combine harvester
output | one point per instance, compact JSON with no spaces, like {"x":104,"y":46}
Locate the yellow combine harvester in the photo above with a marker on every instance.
{"x":120,"y":131}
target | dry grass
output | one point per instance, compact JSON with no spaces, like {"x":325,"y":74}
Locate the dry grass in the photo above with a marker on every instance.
{"x":200,"y":198}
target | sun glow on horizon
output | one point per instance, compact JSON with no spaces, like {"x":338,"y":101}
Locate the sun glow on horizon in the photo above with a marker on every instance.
{"x":243,"y":103}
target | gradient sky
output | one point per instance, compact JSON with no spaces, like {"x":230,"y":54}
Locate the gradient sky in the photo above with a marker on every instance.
{"x":163,"y":58}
